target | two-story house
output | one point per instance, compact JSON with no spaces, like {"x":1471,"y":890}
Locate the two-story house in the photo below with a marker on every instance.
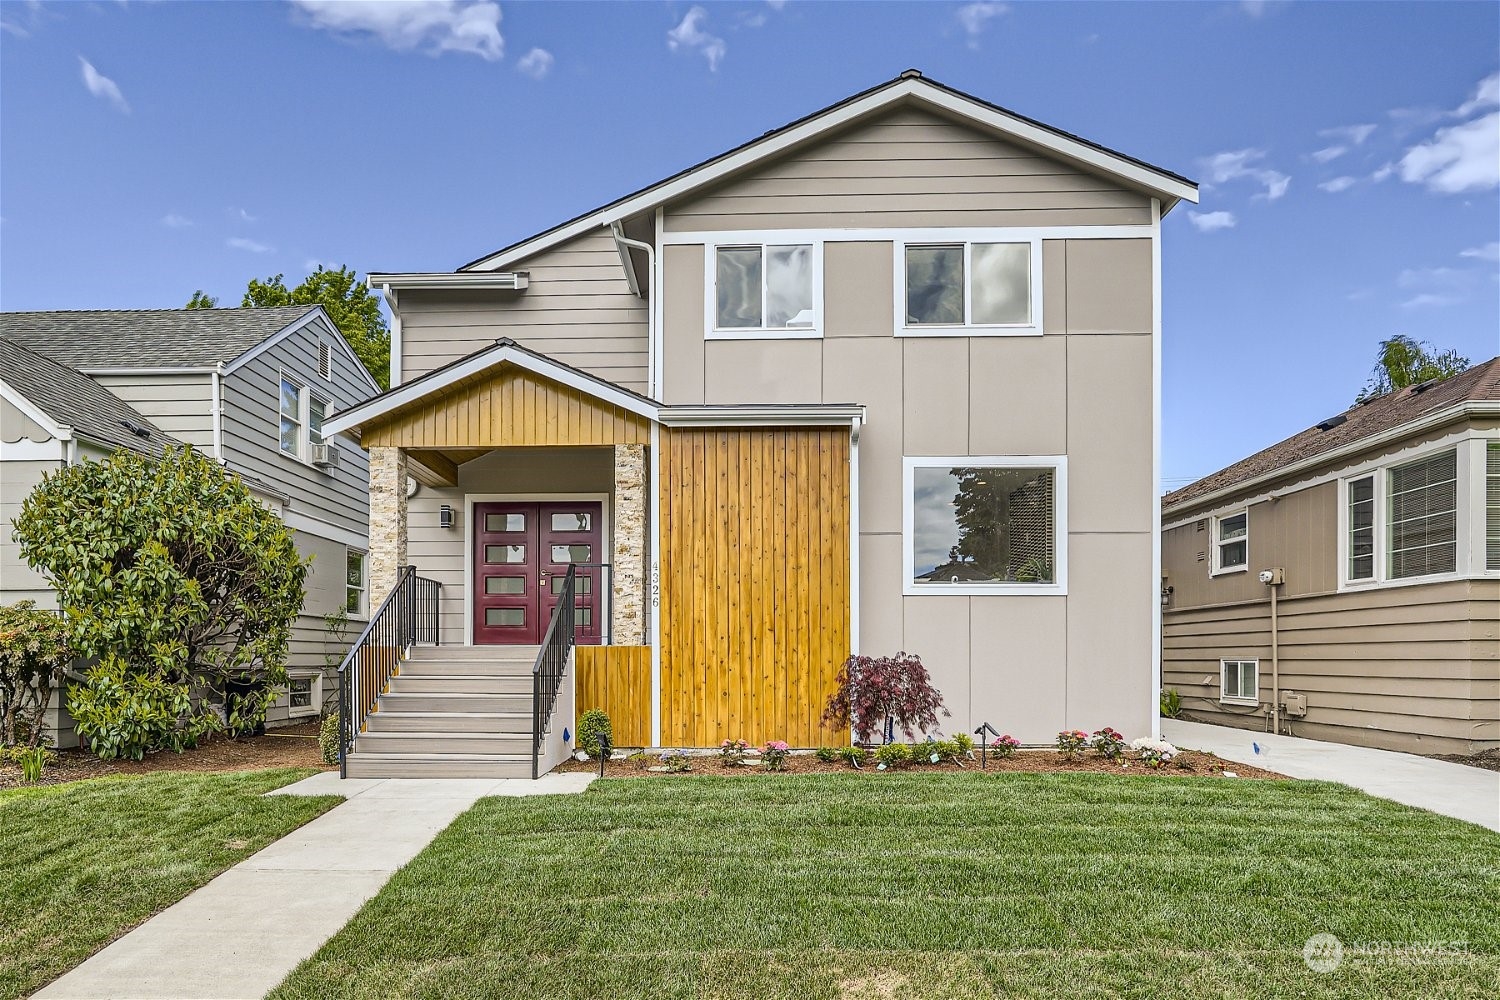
{"x":1344,"y":584}
{"x":250,"y":388}
{"x":883,"y":379}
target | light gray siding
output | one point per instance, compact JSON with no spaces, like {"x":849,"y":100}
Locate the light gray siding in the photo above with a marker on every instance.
{"x":252,"y":429}
{"x":578,"y":309}
{"x":17,"y":426}
{"x":180,"y":403}
{"x":19,"y":582}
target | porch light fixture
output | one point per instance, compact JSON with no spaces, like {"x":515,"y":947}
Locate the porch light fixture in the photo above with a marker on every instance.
{"x":445,"y":516}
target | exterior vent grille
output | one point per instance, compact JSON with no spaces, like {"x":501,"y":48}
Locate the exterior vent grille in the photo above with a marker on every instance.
{"x":326,"y":455}
{"x":325,"y":362}
{"x":1332,"y":422}
{"x":1201,"y":524}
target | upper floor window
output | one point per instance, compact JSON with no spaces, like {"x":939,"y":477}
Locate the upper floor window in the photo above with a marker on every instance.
{"x":973,"y":286}
{"x":317,"y":410}
{"x":1232,"y":543}
{"x":1422,"y":517}
{"x":766,"y":289}
{"x":985,"y":525}
{"x":291,"y":418}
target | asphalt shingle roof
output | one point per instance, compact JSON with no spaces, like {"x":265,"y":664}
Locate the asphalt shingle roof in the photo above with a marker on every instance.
{"x":1363,"y":420}
{"x":77,"y":401}
{"x":147,"y":338}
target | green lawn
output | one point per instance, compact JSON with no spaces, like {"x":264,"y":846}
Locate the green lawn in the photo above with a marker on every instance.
{"x":84,"y":862}
{"x":963,"y":885}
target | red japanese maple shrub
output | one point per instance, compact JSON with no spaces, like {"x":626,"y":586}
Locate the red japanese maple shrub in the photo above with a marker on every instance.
{"x":884,"y":691}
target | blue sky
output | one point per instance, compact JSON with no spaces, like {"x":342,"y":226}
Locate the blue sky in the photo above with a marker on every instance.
{"x":1348,"y":151}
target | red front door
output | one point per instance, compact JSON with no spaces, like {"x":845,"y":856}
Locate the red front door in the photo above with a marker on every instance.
{"x":521,"y":557}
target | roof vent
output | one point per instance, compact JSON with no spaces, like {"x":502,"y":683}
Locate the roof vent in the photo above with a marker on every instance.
{"x":911,"y":74}
{"x":1424,"y":386}
{"x":135,"y":429}
{"x":1332,"y":422}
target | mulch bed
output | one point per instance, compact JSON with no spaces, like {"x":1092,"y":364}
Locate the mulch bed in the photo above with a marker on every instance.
{"x":1188,"y":763}
{"x":1488,"y":760}
{"x":288,"y":746}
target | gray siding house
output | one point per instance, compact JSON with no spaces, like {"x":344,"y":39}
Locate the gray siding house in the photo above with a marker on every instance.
{"x":249,"y":387}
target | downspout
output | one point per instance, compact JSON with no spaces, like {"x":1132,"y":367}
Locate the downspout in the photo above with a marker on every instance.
{"x":390,"y":301}
{"x":217,"y":378}
{"x":618,"y":230}
{"x":1275,"y":581}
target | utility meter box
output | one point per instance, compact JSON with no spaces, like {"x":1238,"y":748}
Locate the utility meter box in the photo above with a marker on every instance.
{"x":1293,"y":704}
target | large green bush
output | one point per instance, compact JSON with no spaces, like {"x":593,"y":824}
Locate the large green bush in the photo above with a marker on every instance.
{"x":34,"y":654}
{"x":179,"y":582}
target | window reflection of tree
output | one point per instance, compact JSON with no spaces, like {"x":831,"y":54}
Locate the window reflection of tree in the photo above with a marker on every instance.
{"x":1004,"y":527}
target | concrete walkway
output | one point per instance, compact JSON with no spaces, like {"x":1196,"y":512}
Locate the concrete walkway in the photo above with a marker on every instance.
{"x":237,"y":937}
{"x":1467,"y":793}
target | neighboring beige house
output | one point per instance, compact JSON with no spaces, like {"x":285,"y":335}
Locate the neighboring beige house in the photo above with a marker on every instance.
{"x":248,"y":387}
{"x":1378,"y":530}
{"x":883,"y":379}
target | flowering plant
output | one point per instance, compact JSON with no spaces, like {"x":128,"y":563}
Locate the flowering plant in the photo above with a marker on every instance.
{"x":886,"y":691}
{"x":1109,"y":743}
{"x":676,"y":760}
{"x":1153,"y":753}
{"x":1072,"y":742}
{"x":734,"y":751}
{"x":775,"y":753}
{"x":1005,"y":746}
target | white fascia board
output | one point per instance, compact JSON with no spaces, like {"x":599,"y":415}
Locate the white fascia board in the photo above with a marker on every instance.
{"x":54,"y":449}
{"x":835,"y":415}
{"x":1169,"y":188}
{"x":483,"y":280}
{"x":34,"y":413}
{"x":411,"y":392}
{"x":1469,"y":408}
{"x":295,"y":327}
{"x":155,"y":370}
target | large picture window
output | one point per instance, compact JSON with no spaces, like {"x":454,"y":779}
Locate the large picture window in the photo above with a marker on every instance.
{"x":985,"y":525}
{"x":766,"y":288}
{"x":1422,"y":517}
{"x":983,"y":286}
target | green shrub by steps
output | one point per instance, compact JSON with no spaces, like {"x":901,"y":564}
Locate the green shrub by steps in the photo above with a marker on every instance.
{"x":328,"y":738}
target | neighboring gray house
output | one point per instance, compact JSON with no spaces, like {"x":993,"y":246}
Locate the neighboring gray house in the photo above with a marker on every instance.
{"x":249,"y":387}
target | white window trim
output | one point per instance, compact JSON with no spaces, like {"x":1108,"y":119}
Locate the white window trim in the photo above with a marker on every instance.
{"x":363,"y":613}
{"x":764,"y":240}
{"x":314,"y":706}
{"x":1469,"y":554}
{"x":1059,"y":465}
{"x":967,"y":238}
{"x":1240,"y":699}
{"x":1217,"y":568}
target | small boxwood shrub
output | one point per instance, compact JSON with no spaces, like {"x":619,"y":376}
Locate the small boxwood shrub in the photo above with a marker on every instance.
{"x":893,"y":755}
{"x":595,"y":723}
{"x":328,"y":738}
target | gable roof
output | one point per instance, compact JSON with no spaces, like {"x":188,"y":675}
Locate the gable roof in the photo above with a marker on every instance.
{"x":99,"y":339}
{"x":909,"y":87}
{"x":76,"y":401}
{"x":1360,"y":424}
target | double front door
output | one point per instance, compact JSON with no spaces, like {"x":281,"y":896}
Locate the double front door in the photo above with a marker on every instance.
{"x":521,"y":557}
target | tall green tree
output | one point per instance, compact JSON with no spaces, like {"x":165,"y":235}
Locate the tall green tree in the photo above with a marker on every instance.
{"x":347,"y":301}
{"x":1403,"y":361}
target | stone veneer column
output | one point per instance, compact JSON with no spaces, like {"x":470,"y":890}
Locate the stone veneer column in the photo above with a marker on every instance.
{"x":629,"y":599}
{"x":387,"y":521}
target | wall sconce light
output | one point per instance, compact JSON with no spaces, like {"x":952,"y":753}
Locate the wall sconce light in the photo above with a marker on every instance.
{"x":445,"y":516}
{"x":1166,"y":593}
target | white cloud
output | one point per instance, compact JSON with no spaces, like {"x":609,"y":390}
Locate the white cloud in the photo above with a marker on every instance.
{"x":250,"y":246}
{"x":102,"y":86}
{"x":1352,"y":135}
{"x":975,"y":17}
{"x":1329,"y":153}
{"x":776,"y":4}
{"x":1208,"y":222}
{"x":1489,"y":252}
{"x":1243,"y":164}
{"x":1429,"y":299}
{"x":1338,"y":184}
{"x":243,"y":215}
{"x":536,"y":64}
{"x":174,"y":221}
{"x":1458,"y":158}
{"x":1421,"y":277}
{"x":471,"y":27}
{"x":1486,"y":95}
{"x":692,"y":35}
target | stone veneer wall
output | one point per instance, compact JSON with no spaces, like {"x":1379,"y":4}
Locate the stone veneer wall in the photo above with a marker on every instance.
{"x":629,"y":598}
{"x":387,"y":521}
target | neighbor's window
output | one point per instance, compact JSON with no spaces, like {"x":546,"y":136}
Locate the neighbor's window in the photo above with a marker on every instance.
{"x":317,"y":409}
{"x":354,"y":582}
{"x":1239,"y":682}
{"x":982,"y":528}
{"x":304,"y":695}
{"x":291,"y":417}
{"x":1422,"y":517}
{"x":1232,"y":542}
{"x":969,"y":284}
{"x":1492,"y":506}
{"x":1362,"y":528}
{"x":764,"y":287}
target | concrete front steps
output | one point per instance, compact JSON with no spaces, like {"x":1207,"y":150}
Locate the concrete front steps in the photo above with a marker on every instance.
{"x":451,"y":712}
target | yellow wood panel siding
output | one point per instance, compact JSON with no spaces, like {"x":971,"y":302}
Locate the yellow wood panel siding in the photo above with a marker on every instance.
{"x":618,"y":680}
{"x":755,"y":582}
{"x":509,"y":408}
